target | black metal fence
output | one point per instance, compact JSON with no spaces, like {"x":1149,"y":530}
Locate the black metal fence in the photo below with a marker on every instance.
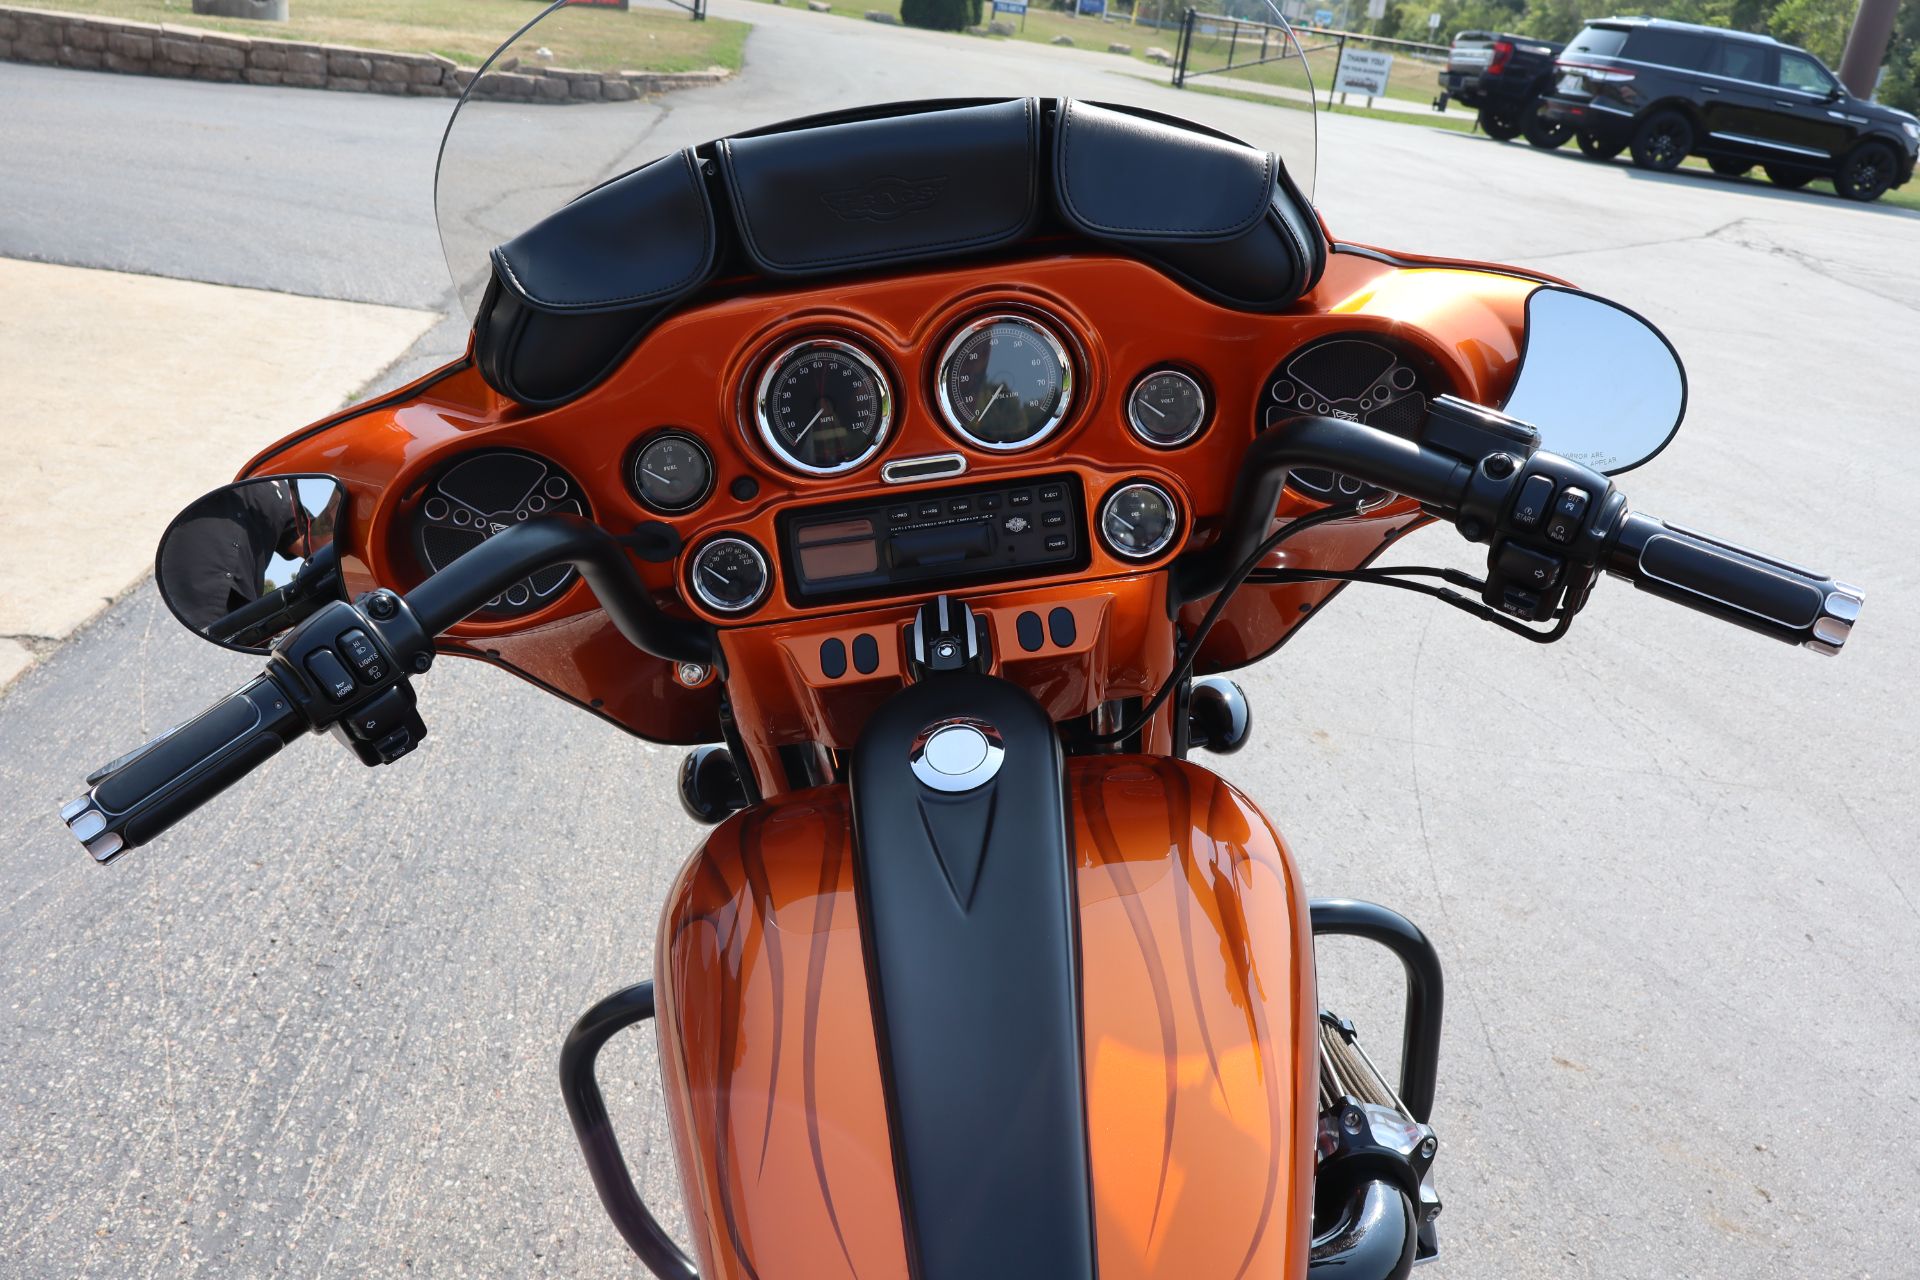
{"x":1293,"y":60}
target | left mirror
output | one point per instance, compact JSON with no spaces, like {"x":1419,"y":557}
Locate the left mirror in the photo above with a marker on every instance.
{"x":249,"y":561}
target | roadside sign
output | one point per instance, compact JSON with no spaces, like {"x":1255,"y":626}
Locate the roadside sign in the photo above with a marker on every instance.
{"x":1363,"y":71}
{"x":1010,"y":6}
{"x":1093,"y":7}
{"x":1323,"y":17}
{"x":601,"y":4}
{"x":1376,"y":9}
{"x":1433,"y":22}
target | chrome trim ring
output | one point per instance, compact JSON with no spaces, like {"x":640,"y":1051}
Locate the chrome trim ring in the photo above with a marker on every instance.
{"x":965,"y":331}
{"x":693,"y":575}
{"x":961,"y":754}
{"x":1147,"y":437}
{"x":1173,"y":524}
{"x":771,"y":438}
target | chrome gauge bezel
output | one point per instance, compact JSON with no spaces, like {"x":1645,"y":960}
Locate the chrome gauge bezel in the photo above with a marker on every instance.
{"x":1062,"y":359}
{"x":778,"y":361}
{"x":706,"y":598}
{"x":1159,"y":548}
{"x":1146,"y":437}
{"x":639,"y":451}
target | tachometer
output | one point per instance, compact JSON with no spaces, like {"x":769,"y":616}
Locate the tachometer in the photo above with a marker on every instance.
{"x":1005,"y":382}
{"x":823,"y":406}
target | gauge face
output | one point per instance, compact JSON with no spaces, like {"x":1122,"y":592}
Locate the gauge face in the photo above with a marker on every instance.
{"x":729,"y":575}
{"x":1167,"y":408}
{"x":672,"y":472}
{"x":1005,"y":382}
{"x":487,"y":493}
{"x":1138,"y":520}
{"x":823,"y":406}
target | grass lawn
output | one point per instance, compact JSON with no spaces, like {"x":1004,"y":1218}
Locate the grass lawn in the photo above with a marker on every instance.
{"x":1411,"y":81}
{"x":1907,"y":197}
{"x":468,"y":30}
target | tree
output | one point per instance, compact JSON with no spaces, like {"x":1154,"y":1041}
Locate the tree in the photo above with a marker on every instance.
{"x":1818,"y":26}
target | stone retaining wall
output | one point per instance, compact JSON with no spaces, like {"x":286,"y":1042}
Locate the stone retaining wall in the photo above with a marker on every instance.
{"x":142,"y":48}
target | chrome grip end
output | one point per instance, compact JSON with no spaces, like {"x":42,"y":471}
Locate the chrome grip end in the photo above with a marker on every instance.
{"x":89,"y":826}
{"x":1839,"y":610}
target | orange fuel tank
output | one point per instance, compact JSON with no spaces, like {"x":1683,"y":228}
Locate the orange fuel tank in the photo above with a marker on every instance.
{"x":1198,"y":1029}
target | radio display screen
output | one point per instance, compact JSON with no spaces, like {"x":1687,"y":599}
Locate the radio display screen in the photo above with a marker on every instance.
{"x":913,"y":541}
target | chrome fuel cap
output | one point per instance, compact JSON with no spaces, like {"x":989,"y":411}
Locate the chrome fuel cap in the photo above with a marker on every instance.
{"x":957,"y":755}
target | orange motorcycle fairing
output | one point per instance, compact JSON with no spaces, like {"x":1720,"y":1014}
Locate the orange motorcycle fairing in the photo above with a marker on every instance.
{"x":1198,"y":1032}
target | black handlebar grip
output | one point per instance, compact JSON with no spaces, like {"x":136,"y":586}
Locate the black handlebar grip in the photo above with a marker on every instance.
{"x":1757,"y":592}
{"x":134,"y":799}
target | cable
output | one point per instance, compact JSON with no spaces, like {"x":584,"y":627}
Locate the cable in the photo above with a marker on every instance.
{"x":1232,"y":584}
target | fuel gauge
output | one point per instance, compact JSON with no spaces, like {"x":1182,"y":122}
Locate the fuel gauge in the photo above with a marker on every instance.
{"x":1138,"y":520}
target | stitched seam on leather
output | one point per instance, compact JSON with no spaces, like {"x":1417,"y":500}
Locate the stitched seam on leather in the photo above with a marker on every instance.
{"x":689,"y":162}
{"x":995,"y":236}
{"x":1241,"y":224}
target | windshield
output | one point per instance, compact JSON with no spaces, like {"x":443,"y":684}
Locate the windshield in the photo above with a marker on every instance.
{"x":592,"y":89}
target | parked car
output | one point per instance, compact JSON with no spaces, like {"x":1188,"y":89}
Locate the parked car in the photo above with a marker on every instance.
{"x":1669,"y":90}
{"x":1503,"y":77}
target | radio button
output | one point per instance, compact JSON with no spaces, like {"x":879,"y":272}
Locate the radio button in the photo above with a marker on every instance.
{"x":1052,"y":493}
{"x":1057,"y":542}
{"x":1054,"y":519}
{"x":928,"y":510}
{"x":959,"y":506}
{"x":989,"y":502}
{"x":900,"y":515}
{"x":1020,"y":498}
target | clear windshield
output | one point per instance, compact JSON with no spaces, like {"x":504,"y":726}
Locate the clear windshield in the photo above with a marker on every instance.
{"x":594,"y":88}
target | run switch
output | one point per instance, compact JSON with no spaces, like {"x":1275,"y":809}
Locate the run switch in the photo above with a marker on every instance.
{"x":1568,"y":512}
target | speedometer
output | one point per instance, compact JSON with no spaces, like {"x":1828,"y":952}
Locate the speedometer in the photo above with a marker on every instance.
{"x":823,"y":406}
{"x":1005,"y":382}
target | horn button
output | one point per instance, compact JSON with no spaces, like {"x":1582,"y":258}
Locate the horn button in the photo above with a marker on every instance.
{"x":957,"y":755}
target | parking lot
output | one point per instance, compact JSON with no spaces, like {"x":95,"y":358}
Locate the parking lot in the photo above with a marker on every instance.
{"x":1671,"y":866}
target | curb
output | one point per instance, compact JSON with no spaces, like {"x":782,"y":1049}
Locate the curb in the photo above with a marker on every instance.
{"x":188,"y":53}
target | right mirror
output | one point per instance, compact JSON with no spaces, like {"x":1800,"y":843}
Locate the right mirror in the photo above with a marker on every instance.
{"x":250,"y":560}
{"x":1604,"y":387}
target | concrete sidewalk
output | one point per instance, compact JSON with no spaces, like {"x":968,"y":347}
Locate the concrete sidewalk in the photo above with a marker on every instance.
{"x":123,"y":397}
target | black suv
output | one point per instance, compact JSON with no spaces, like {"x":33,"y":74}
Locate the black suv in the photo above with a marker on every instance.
{"x":1670,"y":90}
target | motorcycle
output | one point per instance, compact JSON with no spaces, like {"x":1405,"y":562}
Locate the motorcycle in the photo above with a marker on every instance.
{"x":926,"y":467}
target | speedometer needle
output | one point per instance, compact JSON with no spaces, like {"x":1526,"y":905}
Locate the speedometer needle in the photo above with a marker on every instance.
{"x":717,"y":576}
{"x":815,"y":418}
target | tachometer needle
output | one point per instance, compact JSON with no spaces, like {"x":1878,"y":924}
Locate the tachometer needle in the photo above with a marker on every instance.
{"x":998,"y":388}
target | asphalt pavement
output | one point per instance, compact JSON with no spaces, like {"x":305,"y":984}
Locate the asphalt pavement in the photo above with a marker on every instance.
{"x":1671,"y":866}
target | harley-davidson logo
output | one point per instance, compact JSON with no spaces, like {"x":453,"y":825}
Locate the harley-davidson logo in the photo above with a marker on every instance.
{"x":885,"y":199}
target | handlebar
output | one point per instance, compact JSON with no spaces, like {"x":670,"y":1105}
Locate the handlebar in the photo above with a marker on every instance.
{"x":134,"y":799}
{"x":1757,"y":592}
{"x":1551,"y":523}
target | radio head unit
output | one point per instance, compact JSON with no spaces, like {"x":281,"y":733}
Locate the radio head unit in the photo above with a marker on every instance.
{"x":933,"y":539}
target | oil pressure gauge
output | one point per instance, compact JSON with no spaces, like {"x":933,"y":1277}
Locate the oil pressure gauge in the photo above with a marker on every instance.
{"x":1138,"y":521}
